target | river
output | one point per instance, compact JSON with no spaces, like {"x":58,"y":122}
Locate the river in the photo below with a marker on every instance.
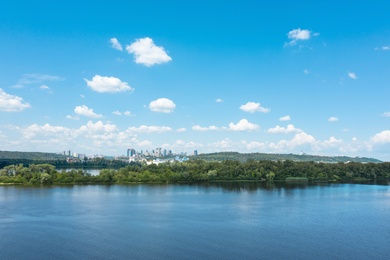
{"x":237,"y":220}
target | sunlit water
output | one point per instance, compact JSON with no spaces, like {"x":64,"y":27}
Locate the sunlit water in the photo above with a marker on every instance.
{"x":215,"y":221}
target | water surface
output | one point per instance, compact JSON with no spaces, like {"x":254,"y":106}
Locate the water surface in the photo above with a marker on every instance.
{"x":215,"y":221}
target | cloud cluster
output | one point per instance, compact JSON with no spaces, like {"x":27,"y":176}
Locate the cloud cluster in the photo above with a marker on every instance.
{"x":285,"y":118}
{"x":296,"y":35}
{"x":108,"y":84}
{"x":150,"y":129}
{"x":162,"y":105}
{"x":85,"y":111}
{"x":126,"y":113}
{"x":333,"y":119}
{"x":243,"y":125}
{"x":147,"y":53}
{"x":11,"y":103}
{"x":283,"y":130}
{"x":252,"y":107}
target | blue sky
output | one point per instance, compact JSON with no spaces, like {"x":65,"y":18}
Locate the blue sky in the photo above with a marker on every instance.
{"x":99,"y":77}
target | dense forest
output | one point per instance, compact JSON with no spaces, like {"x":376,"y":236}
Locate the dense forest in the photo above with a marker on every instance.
{"x":201,"y":171}
{"x":243,"y":157}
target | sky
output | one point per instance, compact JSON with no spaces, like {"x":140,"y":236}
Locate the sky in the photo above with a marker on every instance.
{"x":99,"y":77}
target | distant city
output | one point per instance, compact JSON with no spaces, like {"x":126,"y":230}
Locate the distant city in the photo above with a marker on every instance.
{"x":157,"y":155}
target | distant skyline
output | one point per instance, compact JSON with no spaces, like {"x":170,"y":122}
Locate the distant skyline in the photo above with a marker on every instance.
{"x":99,"y":77}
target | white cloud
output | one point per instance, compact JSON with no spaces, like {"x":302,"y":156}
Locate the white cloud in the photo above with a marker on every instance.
{"x":116,"y":44}
{"x":44,"y":87}
{"x":162,"y":105}
{"x":85,"y":111}
{"x":299,"y":35}
{"x":255,"y":145}
{"x":108,"y":84}
{"x":386,"y":114}
{"x":127,"y":113}
{"x":208,"y":128}
{"x":99,"y":126}
{"x":382,"y":137}
{"x":383,"y":48}
{"x":285,"y":118}
{"x":333,"y":119}
{"x":181,"y":130}
{"x":72,"y":117}
{"x":306,"y":71}
{"x":298,"y":140}
{"x":223,"y":144}
{"x":218,"y":100}
{"x":352,"y":75}
{"x":281,"y":130}
{"x":252,"y":107}
{"x":44,"y":131}
{"x":150,"y":129}
{"x":147,"y":53}
{"x":32,"y":78}
{"x":332,"y":142}
{"x":243,"y":125}
{"x":11,"y":103}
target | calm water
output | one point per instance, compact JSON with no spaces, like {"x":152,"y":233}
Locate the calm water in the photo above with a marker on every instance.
{"x":219,"y":221}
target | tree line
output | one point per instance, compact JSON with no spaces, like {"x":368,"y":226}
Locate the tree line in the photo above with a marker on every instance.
{"x":200,"y":171}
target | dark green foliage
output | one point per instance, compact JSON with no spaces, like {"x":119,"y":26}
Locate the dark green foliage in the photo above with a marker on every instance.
{"x":243,"y":157}
{"x":201,"y":171}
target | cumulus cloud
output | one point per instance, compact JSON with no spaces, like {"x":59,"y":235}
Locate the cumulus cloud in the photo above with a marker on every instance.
{"x":306,"y":71}
{"x":208,"y":128}
{"x":255,"y":145}
{"x":332,"y":142}
{"x":243,"y":125}
{"x":147,"y":53}
{"x":252,"y":107}
{"x":126,"y":113}
{"x":44,"y":130}
{"x":298,"y":140}
{"x":108,"y":84}
{"x":11,"y":103}
{"x":296,"y":35}
{"x":382,"y":137}
{"x":162,"y":105}
{"x":99,"y":126}
{"x":85,"y":111}
{"x":150,"y":129}
{"x":285,"y":118}
{"x":284,"y":130}
{"x":223,"y":144}
{"x":218,"y":100}
{"x":181,"y":130}
{"x":333,"y":119}
{"x":116,"y":44}
{"x":352,"y":75}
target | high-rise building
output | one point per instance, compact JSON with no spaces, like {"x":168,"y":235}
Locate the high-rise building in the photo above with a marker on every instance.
{"x":195,"y":152}
{"x":130,"y":152}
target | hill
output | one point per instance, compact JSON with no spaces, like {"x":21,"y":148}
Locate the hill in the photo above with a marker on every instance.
{"x":243,"y":157}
